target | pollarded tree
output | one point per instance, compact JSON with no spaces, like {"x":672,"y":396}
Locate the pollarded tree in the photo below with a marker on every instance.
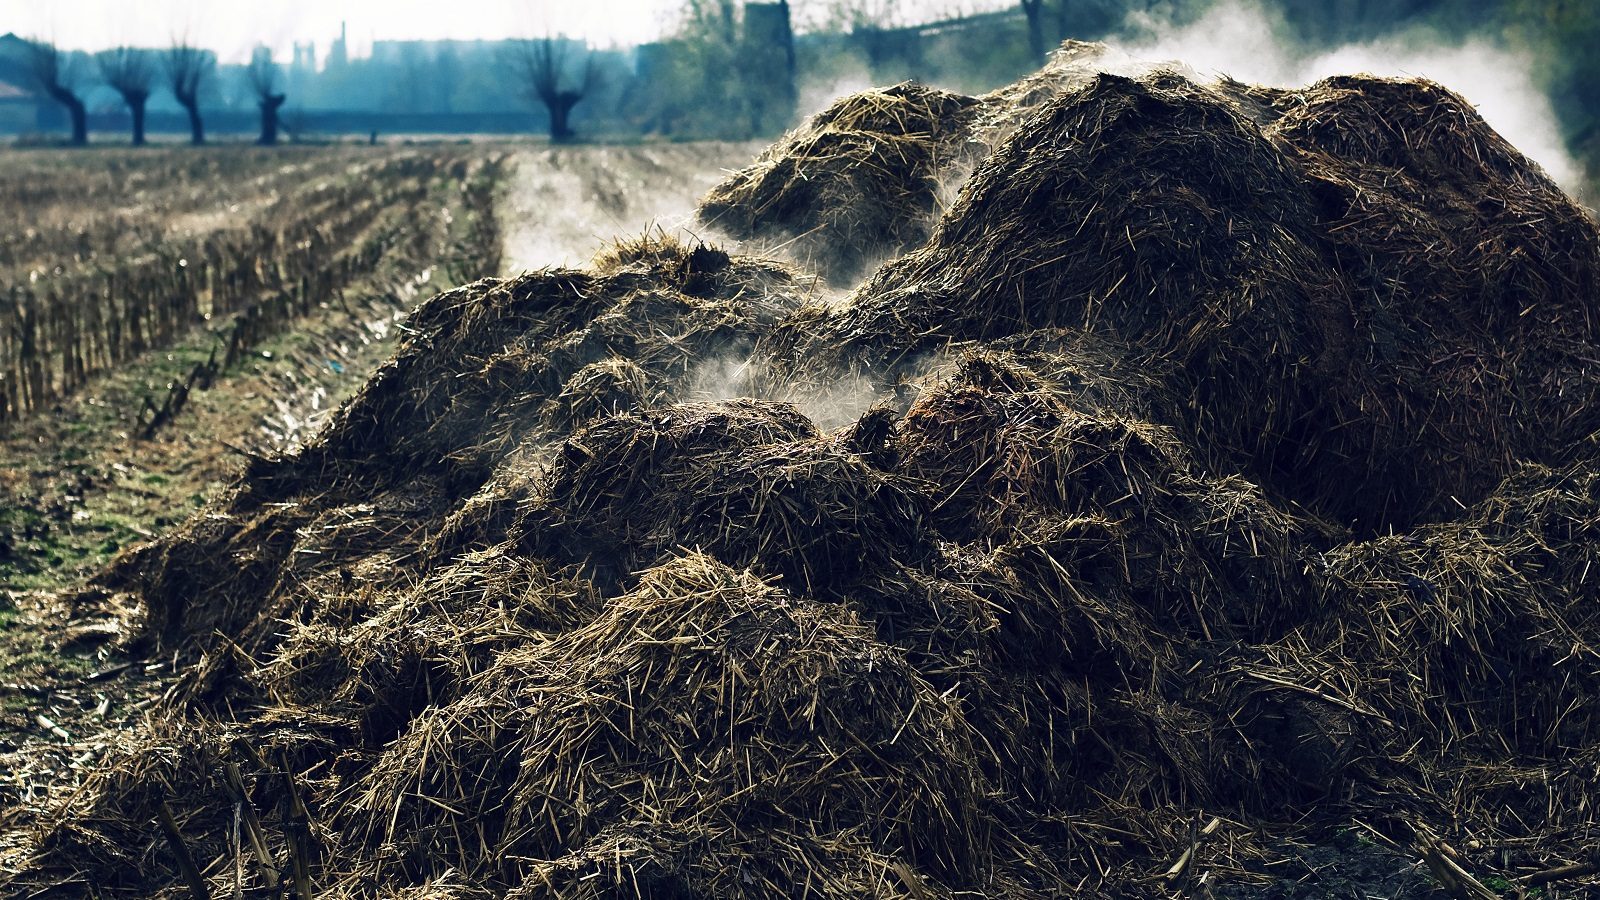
{"x":57,"y":76}
{"x":542,"y":63}
{"x":264,"y":81}
{"x":187,"y":70}
{"x":130,"y":72}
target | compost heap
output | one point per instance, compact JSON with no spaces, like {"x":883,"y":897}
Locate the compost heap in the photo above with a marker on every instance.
{"x":858,"y":182}
{"x":1233,"y":461}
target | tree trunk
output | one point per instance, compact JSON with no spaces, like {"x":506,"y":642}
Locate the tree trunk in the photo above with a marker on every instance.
{"x":197,"y":129}
{"x":560,"y":108}
{"x":80,"y":122}
{"x":1034,"y":10}
{"x":75,"y":109}
{"x":136,"y":107}
{"x":269,"y":119}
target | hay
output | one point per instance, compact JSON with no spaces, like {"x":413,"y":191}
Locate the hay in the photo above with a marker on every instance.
{"x":696,"y":711}
{"x":857,"y":183}
{"x":1360,"y":302}
{"x":490,"y":374}
{"x":1476,"y":279}
{"x":749,"y":482}
{"x":1094,"y":602}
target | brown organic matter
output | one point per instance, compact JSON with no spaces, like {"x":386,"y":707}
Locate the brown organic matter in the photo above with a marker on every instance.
{"x":1229,"y":488}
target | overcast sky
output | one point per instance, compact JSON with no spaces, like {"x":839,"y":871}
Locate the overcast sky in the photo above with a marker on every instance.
{"x":232,"y":27}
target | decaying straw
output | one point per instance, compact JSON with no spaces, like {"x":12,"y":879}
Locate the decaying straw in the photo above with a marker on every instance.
{"x":1225,"y":483}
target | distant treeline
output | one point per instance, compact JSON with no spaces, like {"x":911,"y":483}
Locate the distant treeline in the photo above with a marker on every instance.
{"x":744,"y":69}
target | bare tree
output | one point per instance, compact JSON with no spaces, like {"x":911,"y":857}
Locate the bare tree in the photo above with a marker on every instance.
{"x":542,"y":63}
{"x":264,"y":80}
{"x":57,"y":76}
{"x":188,"y":68}
{"x":130,"y":72}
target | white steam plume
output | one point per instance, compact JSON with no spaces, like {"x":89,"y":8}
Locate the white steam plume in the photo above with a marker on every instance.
{"x":1244,"y":40}
{"x":830,"y":406}
{"x":850,"y":75}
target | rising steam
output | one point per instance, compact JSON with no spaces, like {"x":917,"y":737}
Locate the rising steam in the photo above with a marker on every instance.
{"x":1246,"y":41}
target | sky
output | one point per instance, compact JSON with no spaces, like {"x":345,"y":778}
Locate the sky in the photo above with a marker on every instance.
{"x":233,"y":27}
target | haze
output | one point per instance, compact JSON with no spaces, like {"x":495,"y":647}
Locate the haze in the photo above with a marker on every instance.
{"x":233,"y":29}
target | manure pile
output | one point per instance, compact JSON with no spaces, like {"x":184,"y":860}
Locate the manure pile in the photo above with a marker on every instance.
{"x":857,"y":183}
{"x":1232,"y":489}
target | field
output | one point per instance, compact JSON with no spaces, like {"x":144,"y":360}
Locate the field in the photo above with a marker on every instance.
{"x":165,"y":313}
{"x":259,"y":286}
{"x":169,"y":313}
{"x":1110,"y":485}
{"x":140,"y":282}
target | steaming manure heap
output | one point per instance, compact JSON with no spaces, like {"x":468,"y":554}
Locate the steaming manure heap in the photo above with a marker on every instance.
{"x":1232,"y":488}
{"x":859,"y":182}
